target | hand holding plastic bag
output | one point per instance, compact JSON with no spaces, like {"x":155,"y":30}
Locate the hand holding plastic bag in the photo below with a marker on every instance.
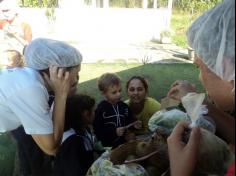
{"x":214,"y":154}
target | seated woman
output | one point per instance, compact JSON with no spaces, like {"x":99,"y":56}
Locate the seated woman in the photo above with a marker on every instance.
{"x":142,"y":106}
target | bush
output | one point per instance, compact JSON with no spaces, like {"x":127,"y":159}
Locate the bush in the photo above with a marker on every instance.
{"x":194,"y":6}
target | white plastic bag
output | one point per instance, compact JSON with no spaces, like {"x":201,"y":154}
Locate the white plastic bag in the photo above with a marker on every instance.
{"x":214,"y":154}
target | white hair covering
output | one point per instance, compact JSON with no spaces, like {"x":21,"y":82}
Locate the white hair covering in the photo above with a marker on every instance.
{"x":41,"y":53}
{"x":212,"y":36}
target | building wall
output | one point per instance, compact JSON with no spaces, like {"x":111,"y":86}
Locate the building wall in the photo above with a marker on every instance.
{"x":98,"y":24}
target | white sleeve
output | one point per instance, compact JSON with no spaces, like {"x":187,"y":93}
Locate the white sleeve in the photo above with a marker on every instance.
{"x":31,"y":107}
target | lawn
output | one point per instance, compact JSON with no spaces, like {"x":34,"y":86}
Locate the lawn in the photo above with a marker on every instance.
{"x":160,"y":76}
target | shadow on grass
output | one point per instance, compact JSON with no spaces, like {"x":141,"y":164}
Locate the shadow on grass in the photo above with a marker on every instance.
{"x":160,"y":77}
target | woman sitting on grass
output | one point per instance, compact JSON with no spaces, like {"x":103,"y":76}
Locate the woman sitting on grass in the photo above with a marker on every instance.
{"x":142,"y":106}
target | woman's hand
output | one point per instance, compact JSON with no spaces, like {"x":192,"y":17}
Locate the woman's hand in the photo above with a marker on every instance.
{"x":58,"y":80}
{"x":183,"y":157}
{"x":180,"y":88}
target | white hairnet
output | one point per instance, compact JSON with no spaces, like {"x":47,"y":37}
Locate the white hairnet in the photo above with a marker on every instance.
{"x":41,"y":53}
{"x":212,"y":36}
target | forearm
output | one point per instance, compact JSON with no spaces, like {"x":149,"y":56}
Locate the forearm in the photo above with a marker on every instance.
{"x":225,"y":124}
{"x":58,"y":118}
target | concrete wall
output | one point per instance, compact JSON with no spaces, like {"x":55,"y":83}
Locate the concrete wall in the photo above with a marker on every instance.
{"x":96,"y":24}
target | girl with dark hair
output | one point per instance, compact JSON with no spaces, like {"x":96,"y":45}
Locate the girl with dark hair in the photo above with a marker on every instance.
{"x":76,"y":153}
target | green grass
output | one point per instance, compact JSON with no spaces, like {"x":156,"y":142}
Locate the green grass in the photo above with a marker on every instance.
{"x":160,"y":76}
{"x":7,"y":154}
{"x":180,"y":23}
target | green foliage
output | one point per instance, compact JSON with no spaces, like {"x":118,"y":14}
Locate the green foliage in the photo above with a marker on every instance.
{"x":39,"y":3}
{"x":195,"y":6}
{"x":126,"y":3}
{"x":50,"y":14}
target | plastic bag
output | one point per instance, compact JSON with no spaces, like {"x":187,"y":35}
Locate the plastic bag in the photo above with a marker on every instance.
{"x":165,"y":121}
{"x":104,"y":167}
{"x":214,"y":154}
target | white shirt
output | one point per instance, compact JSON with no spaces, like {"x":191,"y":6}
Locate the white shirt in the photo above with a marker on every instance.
{"x":24,"y":101}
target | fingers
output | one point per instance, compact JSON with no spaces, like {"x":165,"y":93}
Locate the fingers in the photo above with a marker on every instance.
{"x":178,"y":131}
{"x":46,"y":77}
{"x":172,"y":92}
{"x":194,"y":139}
{"x":58,"y":72}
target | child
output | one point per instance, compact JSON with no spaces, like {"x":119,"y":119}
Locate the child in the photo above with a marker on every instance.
{"x":11,"y":59}
{"x":112,"y":115}
{"x":75,"y":155}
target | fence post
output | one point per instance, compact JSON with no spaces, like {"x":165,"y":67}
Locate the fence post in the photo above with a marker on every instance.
{"x":105,"y":3}
{"x":155,"y":4}
{"x":94,"y":3}
{"x":170,"y":3}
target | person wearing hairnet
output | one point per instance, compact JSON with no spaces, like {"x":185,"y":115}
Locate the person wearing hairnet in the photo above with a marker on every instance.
{"x":51,"y":66}
{"x":212,"y":36}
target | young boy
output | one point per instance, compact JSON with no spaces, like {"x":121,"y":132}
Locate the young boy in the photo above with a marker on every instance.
{"x":112,"y":115}
{"x":76,"y":153}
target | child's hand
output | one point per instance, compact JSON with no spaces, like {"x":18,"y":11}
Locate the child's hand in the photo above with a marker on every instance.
{"x":138,"y":125}
{"x":120,"y":131}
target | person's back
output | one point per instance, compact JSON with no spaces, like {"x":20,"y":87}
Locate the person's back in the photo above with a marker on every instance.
{"x":28,"y":82}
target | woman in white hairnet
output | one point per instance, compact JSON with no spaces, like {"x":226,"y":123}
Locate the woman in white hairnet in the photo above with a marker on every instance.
{"x":213,"y":38}
{"x":51,"y":66}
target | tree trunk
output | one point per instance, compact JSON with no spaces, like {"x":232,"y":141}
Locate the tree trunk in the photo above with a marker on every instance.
{"x":40,"y":3}
{"x":170,"y":3}
{"x":145,"y":4}
{"x":155,"y":4}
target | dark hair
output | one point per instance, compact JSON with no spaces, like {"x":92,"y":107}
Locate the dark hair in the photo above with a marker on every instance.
{"x":140,"y":78}
{"x":108,"y":79}
{"x":76,"y":105}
